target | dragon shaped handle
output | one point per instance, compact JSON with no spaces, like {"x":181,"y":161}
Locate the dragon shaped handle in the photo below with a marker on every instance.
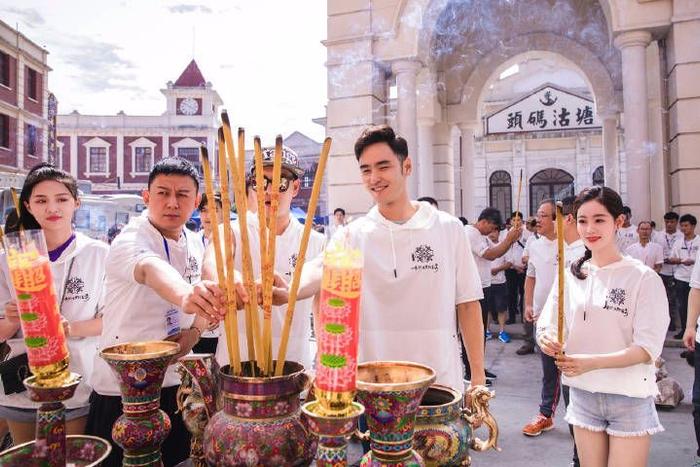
{"x":477,"y":413}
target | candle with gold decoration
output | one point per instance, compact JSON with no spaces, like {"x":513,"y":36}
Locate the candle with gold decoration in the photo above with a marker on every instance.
{"x":337,"y":330}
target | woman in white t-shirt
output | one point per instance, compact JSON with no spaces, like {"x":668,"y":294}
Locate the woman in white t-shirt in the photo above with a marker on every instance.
{"x":48,"y":201}
{"x":616,"y":316}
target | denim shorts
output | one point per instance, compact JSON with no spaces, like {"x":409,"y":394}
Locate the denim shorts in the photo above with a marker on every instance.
{"x":614,"y":414}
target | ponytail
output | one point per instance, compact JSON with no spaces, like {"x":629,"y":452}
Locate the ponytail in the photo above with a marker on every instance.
{"x":576,"y":266}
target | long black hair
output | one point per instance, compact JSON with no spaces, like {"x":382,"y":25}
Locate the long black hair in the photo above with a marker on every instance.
{"x":612,"y":202}
{"x":40,"y":173}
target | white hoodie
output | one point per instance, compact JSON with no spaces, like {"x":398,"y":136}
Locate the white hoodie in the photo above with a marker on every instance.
{"x":616,"y":306}
{"x":414,"y":275}
{"x":84,"y":293}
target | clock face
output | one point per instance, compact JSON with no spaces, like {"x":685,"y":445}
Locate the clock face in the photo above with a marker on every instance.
{"x":189,"y":106}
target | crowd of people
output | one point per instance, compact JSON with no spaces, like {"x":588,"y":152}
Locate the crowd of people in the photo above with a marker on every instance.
{"x":428,"y":277}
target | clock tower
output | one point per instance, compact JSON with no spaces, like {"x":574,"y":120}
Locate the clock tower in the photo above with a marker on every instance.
{"x":191,"y":98}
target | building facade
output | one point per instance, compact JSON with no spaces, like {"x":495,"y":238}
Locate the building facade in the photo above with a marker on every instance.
{"x":116,"y":152}
{"x":23,"y":105}
{"x":428,"y":67}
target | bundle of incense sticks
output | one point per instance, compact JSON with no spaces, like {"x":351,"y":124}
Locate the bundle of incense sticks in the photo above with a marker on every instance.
{"x":258,"y":340}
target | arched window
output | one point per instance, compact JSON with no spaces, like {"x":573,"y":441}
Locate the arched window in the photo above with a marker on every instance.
{"x":549,"y":184}
{"x":501,"y":192}
{"x":599,"y":176}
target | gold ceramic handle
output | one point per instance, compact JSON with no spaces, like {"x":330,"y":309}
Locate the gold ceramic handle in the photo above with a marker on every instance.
{"x":479,"y":413}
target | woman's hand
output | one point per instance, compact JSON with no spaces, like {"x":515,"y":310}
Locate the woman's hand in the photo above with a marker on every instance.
{"x":574,"y":365}
{"x":549,"y":346}
{"x":12,"y":312}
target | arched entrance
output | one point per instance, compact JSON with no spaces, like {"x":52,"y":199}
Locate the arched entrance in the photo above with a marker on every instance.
{"x":549,"y":184}
{"x":501,"y":192}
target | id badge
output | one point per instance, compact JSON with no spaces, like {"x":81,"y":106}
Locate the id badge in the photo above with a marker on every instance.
{"x":172,"y":322}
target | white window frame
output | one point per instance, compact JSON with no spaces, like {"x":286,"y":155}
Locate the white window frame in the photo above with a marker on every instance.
{"x":141,"y":143}
{"x":59,"y":154}
{"x":96,"y":143}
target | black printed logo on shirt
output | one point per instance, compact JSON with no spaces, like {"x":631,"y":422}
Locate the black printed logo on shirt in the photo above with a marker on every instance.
{"x":192,"y":272}
{"x":74,"y":288}
{"x":422,"y":259}
{"x":292,"y":264}
{"x":615,"y":301}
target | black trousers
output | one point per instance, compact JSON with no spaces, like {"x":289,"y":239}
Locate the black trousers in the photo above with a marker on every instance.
{"x":551,"y":386}
{"x":484,"y":318}
{"x":682,"y":291}
{"x":206,"y":345}
{"x":565,"y":393}
{"x":669,"y":285}
{"x":516,"y":293}
{"x":104,"y":411}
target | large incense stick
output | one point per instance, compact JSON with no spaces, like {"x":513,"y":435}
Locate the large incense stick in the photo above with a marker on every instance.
{"x":211,"y":206}
{"x":231,"y":317}
{"x":301,"y":257}
{"x":517,"y":199}
{"x":254,"y":350}
{"x":268,"y":272}
{"x":560,"y":275}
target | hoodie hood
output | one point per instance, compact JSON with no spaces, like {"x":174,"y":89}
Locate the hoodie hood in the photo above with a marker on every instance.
{"x":423,"y":218}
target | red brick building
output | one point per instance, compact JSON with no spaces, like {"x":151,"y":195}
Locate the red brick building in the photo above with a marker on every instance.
{"x":116,"y":152}
{"x":23,"y":105}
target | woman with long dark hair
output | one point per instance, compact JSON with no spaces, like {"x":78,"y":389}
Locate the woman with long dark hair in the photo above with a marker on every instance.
{"x":48,"y":201}
{"x":616,"y":316}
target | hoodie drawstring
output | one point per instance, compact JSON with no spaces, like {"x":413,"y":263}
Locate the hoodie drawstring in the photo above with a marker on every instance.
{"x":393,"y":250}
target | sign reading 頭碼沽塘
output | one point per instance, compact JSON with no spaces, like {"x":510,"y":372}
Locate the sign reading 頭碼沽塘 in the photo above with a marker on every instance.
{"x":547,"y":108}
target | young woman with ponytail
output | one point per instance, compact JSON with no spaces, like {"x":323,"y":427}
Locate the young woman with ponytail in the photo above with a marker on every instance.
{"x":48,"y":201}
{"x":616,"y":316}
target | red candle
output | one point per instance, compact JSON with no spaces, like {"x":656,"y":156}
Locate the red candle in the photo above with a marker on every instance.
{"x":337,"y":328}
{"x":38,"y":307}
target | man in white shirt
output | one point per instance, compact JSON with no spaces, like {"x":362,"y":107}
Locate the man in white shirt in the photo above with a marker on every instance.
{"x":288,"y":238}
{"x":153,"y":289}
{"x":646,"y":251}
{"x":515,"y":275}
{"x":338,"y":221}
{"x":417,"y":270}
{"x":691,"y":339}
{"x":683,"y":256}
{"x":627,"y":234}
{"x":484,"y":252}
{"x":541,"y":277}
{"x":667,"y":239}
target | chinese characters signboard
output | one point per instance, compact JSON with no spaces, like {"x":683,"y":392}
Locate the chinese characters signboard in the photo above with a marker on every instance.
{"x":548,"y":108}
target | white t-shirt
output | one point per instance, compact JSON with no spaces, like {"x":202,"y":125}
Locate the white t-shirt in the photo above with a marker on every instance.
{"x":650,"y":254}
{"x":685,"y":249}
{"x":479,"y":244}
{"x":133,"y":311}
{"x":621,"y":304}
{"x":542,"y":265}
{"x":627,"y":236}
{"x":517,"y":249}
{"x":531,"y":238}
{"x":408,"y":298}
{"x":695,"y":283}
{"x":500,"y":277}
{"x":286,"y":251}
{"x":83,"y":294}
{"x":667,"y":240}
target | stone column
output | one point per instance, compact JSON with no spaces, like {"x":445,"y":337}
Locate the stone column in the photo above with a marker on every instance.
{"x":632,"y":45}
{"x":611,"y":158}
{"x":426,"y":176}
{"x":467,"y":172}
{"x":405,"y":71}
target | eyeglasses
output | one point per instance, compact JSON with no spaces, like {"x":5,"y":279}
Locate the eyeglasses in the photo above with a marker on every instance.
{"x":284,"y":184}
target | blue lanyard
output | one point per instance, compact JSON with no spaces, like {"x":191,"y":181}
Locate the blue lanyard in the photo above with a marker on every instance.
{"x":167,"y":248}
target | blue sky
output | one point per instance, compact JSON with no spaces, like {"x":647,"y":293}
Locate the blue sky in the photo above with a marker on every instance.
{"x":264,"y":57}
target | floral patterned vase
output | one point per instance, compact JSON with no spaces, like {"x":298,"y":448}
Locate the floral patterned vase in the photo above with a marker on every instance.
{"x":260,"y":422}
{"x":81,"y":451}
{"x":143,"y":427}
{"x":391,"y":393}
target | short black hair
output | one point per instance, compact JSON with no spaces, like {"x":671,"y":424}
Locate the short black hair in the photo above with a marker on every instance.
{"x":341,"y":210}
{"x":689,"y":218}
{"x":381,"y":134}
{"x":671,"y":215}
{"x":567,"y":205}
{"x":515,"y":214}
{"x":464,"y":220}
{"x":174,"y":166}
{"x":429,"y":199}
{"x":626,"y":210}
{"x":645,"y":222}
{"x":491,"y":215}
{"x":203,"y":204}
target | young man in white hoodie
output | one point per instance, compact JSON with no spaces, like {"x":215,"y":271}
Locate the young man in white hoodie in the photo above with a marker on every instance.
{"x":153,"y":288}
{"x":418,"y":268}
